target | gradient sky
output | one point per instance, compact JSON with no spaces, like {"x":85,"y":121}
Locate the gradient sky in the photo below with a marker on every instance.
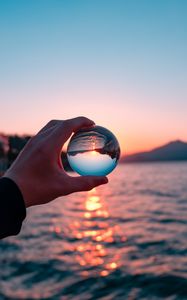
{"x":121,"y":63}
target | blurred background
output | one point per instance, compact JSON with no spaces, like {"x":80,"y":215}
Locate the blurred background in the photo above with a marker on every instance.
{"x":122,"y":64}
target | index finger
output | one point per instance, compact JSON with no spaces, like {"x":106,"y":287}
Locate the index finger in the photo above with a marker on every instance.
{"x":62,"y":132}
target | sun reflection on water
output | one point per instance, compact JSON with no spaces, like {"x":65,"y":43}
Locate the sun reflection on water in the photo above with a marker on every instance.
{"x":95,"y":235}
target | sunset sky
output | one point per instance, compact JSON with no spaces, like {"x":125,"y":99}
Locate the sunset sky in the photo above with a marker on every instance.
{"x":121,"y":63}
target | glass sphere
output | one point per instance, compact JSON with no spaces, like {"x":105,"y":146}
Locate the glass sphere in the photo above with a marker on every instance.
{"x":93,"y":151}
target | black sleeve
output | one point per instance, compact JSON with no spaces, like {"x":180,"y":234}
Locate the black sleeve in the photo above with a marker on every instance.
{"x":12,"y":208}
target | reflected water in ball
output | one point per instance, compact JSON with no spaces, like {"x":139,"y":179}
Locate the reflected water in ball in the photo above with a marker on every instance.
{"x":93,"y":151}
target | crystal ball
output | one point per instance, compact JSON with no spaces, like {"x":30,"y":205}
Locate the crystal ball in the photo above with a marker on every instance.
{"x":93,"y":151}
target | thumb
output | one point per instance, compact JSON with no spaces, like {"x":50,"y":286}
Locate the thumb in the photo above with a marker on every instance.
{"x":86,"y":183}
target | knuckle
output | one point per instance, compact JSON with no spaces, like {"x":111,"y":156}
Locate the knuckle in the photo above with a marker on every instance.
{"x":68,"y":121}
{"x":66,"y":124}
{"x":52,"y":122}
{"x":82,"y":118}
{"x":77,"y":119}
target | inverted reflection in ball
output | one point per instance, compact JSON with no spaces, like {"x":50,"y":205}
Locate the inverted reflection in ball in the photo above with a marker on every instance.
{"x":93,"y":151}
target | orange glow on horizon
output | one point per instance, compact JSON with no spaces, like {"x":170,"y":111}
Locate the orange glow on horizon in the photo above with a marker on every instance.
{"x":131,"y":139}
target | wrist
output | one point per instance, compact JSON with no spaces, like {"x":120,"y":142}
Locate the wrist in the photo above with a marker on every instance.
{"x":20,"y":184}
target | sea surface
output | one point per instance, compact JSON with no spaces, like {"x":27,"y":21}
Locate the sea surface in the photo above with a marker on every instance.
{"x":124,"y":240}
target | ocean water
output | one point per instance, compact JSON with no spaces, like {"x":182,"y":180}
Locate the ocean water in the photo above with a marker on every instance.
{"x":125,"y":240}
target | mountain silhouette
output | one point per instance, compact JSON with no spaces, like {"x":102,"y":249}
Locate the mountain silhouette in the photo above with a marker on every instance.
{"x":173,"y":151}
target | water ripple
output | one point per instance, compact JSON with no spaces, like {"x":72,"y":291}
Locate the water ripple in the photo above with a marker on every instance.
{"x":125,"y":240}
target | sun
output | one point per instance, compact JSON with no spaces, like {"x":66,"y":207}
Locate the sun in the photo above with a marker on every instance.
{"x":93,"y":152}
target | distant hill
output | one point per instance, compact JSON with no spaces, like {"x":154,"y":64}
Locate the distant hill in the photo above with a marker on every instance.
{"x":173,"y":151}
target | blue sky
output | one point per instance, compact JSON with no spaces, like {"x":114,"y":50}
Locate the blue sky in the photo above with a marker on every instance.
{"x":121,"y":63}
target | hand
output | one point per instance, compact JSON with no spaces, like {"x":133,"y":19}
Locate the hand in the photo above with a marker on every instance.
{"x":38,"y":169}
